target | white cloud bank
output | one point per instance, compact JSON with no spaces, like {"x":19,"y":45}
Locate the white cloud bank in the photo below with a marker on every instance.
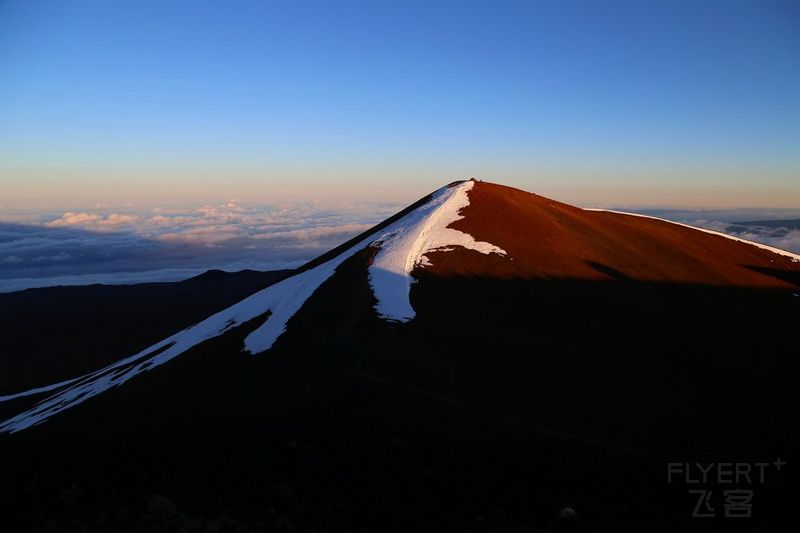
{"x":783,"y":237}
{"x":117,"y":246}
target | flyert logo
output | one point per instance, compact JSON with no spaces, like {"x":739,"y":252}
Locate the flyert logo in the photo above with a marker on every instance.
{"x":736,"y":502}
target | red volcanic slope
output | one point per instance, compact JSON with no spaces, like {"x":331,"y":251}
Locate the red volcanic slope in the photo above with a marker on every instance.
{"x":552,"y":240}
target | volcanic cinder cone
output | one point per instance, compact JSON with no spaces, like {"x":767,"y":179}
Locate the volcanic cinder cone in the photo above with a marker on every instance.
{"x":480,"y":318}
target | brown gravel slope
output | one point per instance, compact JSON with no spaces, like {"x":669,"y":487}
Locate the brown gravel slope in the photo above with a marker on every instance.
{"x":546,"y":239}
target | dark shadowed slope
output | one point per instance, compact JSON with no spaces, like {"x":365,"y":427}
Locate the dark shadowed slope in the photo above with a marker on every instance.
{"x":56,"y":333}
{"x":565,"y":372}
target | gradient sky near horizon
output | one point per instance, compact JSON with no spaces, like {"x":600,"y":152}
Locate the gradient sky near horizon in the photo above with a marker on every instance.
{"x":669,"y":103}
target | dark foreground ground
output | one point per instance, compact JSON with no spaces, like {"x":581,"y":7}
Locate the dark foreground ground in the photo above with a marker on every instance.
{"x":531,"y":406}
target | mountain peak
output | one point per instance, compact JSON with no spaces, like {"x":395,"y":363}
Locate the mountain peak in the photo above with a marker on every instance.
{"x":466,"y":229}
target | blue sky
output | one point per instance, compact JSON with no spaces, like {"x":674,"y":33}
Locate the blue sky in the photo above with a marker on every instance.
{"x":152,"y":140}
{"x":641,"y":102}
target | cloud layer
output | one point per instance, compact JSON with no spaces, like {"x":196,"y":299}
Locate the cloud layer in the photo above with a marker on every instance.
{"x":785,"y":237}
{"x":97,"y":246}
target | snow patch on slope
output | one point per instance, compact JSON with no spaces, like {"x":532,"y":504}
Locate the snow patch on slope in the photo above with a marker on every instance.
{"x":795,"y":258}
{"x":39,"y":390}
{"x":403,"y":245}
{"x":288,"y":296}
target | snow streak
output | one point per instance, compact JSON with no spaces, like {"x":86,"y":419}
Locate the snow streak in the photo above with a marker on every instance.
{"x":404,"y":245}
{"x":401,"y":247}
